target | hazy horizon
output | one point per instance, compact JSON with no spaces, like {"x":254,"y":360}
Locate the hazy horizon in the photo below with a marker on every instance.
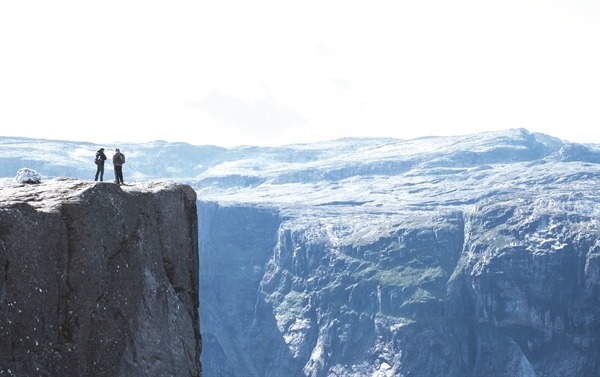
{"x":277,"y":73}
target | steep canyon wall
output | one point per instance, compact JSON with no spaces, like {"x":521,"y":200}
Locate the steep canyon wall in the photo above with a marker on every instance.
{"x":509,"y":287}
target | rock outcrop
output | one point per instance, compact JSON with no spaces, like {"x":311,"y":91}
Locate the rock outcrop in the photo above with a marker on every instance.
{"x":98,"y":280}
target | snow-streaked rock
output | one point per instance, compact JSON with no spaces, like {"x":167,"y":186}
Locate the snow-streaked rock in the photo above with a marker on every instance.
{"x":25,"y":175}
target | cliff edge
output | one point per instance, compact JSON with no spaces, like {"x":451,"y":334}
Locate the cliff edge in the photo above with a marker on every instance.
{"x":99,"y":280}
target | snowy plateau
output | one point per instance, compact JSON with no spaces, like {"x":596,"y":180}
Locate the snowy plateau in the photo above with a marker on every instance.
{"x":475,"y":255}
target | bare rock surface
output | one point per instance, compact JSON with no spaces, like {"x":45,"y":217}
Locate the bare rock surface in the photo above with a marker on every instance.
{"x":98,"y":279}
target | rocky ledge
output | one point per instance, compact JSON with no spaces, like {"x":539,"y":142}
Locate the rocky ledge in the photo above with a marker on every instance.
{"x":98,"y":279}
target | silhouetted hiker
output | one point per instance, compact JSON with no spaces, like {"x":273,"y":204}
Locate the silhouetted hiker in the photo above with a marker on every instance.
{"x":118,"y":161}
{"x":99,"y":161}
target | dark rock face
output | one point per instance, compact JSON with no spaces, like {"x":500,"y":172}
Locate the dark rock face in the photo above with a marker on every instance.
{"x":232,"y":268}
{"x":98,"y":280}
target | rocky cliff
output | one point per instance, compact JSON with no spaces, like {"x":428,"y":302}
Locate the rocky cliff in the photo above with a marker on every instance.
{"x":98,"y":280}
{"x":511,"y":288}
{"x":480,"y":259}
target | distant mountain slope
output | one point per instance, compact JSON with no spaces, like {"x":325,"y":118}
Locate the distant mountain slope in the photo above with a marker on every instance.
{"x":329,"y":161}
{"x":147,"y":161}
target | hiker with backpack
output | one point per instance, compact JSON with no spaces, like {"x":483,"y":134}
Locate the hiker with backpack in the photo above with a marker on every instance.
{"x":118,"y":161}
{"x":99,"y":161}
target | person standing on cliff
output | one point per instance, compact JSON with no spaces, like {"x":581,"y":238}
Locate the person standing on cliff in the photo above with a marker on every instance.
{"x":118,"y":161}
{"x":99,"y":161}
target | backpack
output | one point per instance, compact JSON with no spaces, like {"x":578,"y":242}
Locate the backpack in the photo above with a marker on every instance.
{"x":98,"y":159}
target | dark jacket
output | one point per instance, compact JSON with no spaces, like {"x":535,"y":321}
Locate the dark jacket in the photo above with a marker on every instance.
{"x":100,"y":157}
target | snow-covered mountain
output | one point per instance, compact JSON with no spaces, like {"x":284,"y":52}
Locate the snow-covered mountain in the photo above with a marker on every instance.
{"x":460,"y":256}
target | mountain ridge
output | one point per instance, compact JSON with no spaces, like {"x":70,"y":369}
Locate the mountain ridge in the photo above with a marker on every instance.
{"x":193,"y":160}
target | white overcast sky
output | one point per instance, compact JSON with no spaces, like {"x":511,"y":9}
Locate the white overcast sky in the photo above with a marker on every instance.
{"x":281,"y":72}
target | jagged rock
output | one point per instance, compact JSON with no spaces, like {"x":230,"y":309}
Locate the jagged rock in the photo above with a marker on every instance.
{"x":98,"y":280}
